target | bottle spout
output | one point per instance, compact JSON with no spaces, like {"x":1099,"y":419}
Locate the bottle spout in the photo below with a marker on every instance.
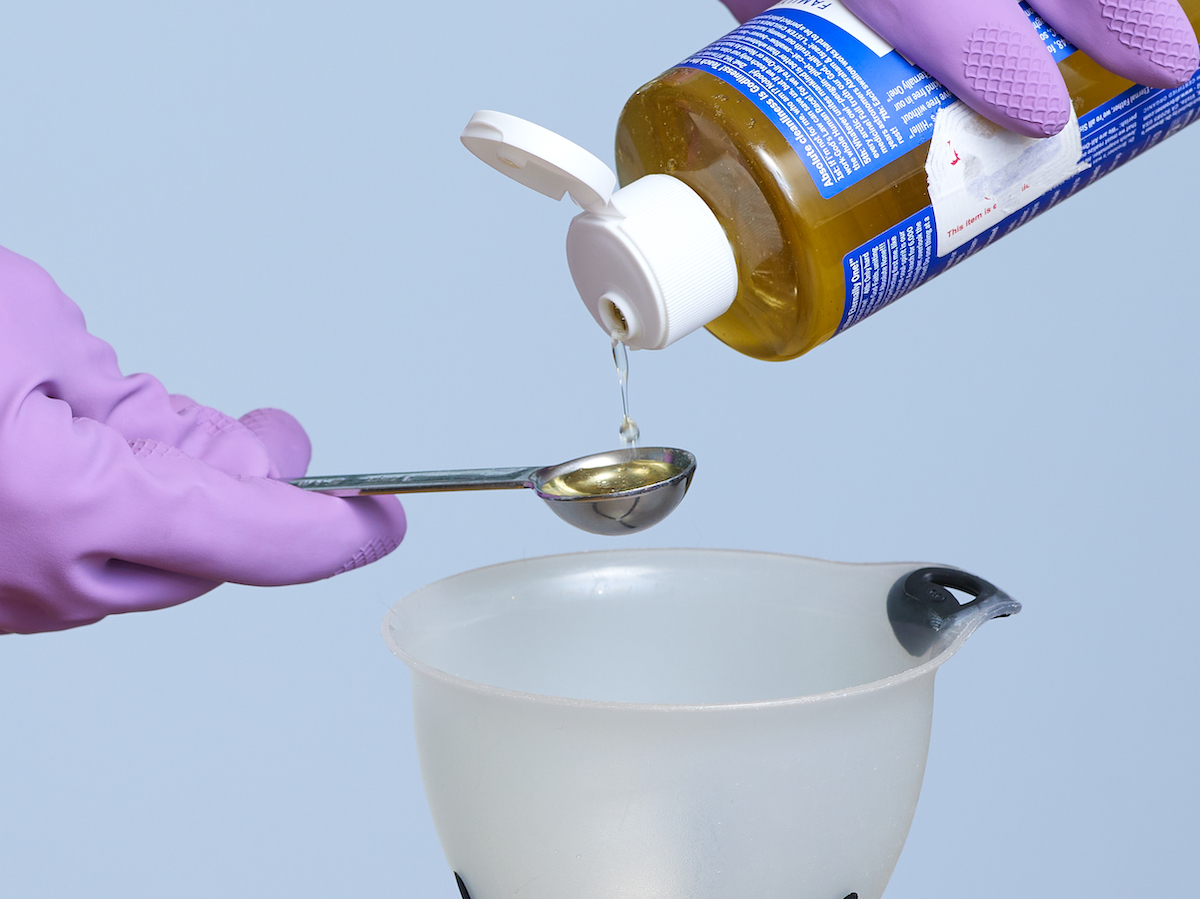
{"x":618,"y":318}
{"x":651,"y":261}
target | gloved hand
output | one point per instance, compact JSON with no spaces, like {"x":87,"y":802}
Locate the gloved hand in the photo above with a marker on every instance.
{"x":988,"y":55}
{"x":116,"y":497}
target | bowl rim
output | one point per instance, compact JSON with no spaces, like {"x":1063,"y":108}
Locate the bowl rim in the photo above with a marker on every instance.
{"x":964,"y":629}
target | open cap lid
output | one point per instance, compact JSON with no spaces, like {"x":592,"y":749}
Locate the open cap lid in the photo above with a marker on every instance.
{"x":651,"y":261}
{"x":541,"y":159}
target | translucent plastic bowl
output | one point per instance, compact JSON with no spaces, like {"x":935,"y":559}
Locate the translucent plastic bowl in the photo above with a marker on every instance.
{"x":678,"y":724}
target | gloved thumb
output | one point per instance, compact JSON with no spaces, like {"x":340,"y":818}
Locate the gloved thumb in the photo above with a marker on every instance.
{"x":194,"y":520}
{"x":288,"y":447}
{"x":744,"y":10}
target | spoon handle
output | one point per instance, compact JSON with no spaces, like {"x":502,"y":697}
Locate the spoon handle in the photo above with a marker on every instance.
{"x":419,"y":481}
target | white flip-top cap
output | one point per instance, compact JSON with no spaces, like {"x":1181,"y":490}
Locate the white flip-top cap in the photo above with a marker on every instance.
{"x":651,"y":261}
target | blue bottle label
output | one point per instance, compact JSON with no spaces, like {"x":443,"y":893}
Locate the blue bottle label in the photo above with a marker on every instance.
{"x":846,"y":101}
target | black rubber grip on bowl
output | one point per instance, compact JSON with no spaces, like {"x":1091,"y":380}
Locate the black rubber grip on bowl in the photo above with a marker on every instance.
{"x":920,"y":604}
{"x":462,"y":887}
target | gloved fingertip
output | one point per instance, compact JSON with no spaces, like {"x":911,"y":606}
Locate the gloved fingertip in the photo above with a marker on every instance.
{"x":1174,"y":64}
{"x":1011,"y":79}
{"x":1159,"y":34}
{"x":1043,"y":127}
{"x":390,"y":525}
{"x":286,"y":442}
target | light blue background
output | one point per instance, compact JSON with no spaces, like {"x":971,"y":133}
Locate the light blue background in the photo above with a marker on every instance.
{"x":265,"y":203}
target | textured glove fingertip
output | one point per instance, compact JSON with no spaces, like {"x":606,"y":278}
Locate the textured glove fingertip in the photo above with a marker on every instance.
{"x":387,"y":521}
{"x":285,"y":440}
{"x":1012,"y":80}
{"x":1158,"y":35}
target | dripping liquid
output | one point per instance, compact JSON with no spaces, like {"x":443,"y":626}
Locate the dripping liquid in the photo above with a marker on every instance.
{"x":629,"y":429}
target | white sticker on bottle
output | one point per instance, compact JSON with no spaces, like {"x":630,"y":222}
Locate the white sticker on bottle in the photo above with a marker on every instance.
{"x":980,"y":173}
{"x":890,"y":264}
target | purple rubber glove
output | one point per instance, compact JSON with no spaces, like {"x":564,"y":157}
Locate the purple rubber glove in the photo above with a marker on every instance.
{"x":988,"y":55}
{"x":117,"y":497}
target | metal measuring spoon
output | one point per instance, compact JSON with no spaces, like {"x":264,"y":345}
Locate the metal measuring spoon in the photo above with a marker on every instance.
{"x":617,"y":492}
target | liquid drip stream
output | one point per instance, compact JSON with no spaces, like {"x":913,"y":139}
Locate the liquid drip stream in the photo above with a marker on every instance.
{"x":629,"y":429}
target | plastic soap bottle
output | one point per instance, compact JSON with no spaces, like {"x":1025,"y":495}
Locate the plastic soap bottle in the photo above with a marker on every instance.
{"x":798,"y":174}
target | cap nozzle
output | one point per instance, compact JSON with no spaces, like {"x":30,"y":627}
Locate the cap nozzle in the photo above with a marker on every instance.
{"x":659,"y":269}
{"x":621,"y":323}
{"x":651,"y":261}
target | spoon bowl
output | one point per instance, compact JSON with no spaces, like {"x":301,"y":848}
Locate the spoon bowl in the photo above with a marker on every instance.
{"x":617,"y":492}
